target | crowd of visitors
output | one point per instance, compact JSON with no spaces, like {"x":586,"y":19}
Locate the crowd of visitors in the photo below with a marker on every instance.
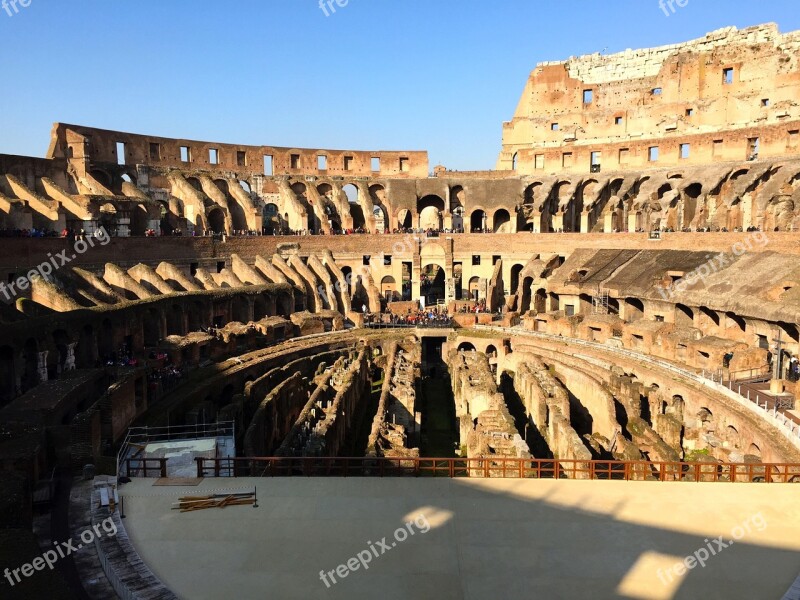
{"x":431,"y":317}
{"x":121,"y":358}
{"x":480,"y":307}
{"x":28,"y":233}
{"x":430,"y":232}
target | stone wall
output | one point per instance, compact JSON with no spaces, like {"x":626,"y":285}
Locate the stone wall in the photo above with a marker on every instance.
{"x":665,"y":96}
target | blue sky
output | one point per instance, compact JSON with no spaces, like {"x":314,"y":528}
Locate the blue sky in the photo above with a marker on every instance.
{"x":436,"y":75}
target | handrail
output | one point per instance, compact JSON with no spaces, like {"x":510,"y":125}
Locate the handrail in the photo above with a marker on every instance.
{"x":497,"y":468}
{"x":145,"y":435}
{"x":144,"y":466}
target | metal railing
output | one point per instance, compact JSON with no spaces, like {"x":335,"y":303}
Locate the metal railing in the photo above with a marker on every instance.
{"x":497,"y":468}
{"x":141,"y":436}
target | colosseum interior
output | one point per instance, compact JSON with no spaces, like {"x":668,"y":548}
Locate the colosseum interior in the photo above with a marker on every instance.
{"x":619,"y":300}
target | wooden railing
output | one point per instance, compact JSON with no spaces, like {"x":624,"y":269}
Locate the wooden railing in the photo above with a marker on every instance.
{"x":496,"y":467}
{"x":146,"y":467}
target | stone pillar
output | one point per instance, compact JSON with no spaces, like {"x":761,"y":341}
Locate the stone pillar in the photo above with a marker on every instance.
{"x":608,"y":222}
{"x":416,"y":276}
{"x":450,"y":290}
{"x":536,"y":221}
{"x":558,"y":221}
{"x":69,"y":362}
{"x":584,"y":222}
{"x":41,"y":365}
{"x":632,"y":222}
{"x":123,"y":225}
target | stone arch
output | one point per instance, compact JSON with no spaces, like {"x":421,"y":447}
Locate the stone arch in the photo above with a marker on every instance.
{"x":432,"y":253}
{"x":634,"y":309}
{"x":175,"y":320}
{"x":381,"y":218}
{"x":271,"y":218}
{"x":389,"y":288}
{"x":524,"y":295}
{"x":473,"y":287}
{"x":196,"y":316}
{"x":260,"y":308}
{"x":732,"y":438}
{"x":195,"y":183}
{"x":734,"y":319}
{"x":108,"y":217}
{"x":684,"y":316}
{"x":216,"y":220}
{"x":501,"y":221}
{"x":457,"y":207}
{"x":238,"y":219}
{"x":704,"y":414}
{"x":140,"y":219}
{"x":151,"y":328}
{"x":478,"y":221}
{"x":240,"y":309}
{"x":102,"y":177}
{"x":707,"y":315}
{"x":380,"y":207}
{"x":404,"y":219}
{"x":466,"y":347}
{"x":356,"y":212}
{"x":429,"y":211}
{"x":516,"y":269}
{"x":540,"y":301}
{"x":433,"y":281}
{"x":61,"y":341}
{"x":284,"y":305}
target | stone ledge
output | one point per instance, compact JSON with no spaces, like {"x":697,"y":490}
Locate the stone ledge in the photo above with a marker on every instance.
{"x":131,"y":578}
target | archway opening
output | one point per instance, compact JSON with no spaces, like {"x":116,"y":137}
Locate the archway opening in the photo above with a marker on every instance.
{"x":430,"y":209}
{"x":404,"y":219}
{"x":216,"y":221}
{"x":474,"y":288}
{"x":356,"y":212}
{"x":389,"y":289}
{"x":502,"y":221}
{"x":477,"y":221}
{"x":432,"y":284}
